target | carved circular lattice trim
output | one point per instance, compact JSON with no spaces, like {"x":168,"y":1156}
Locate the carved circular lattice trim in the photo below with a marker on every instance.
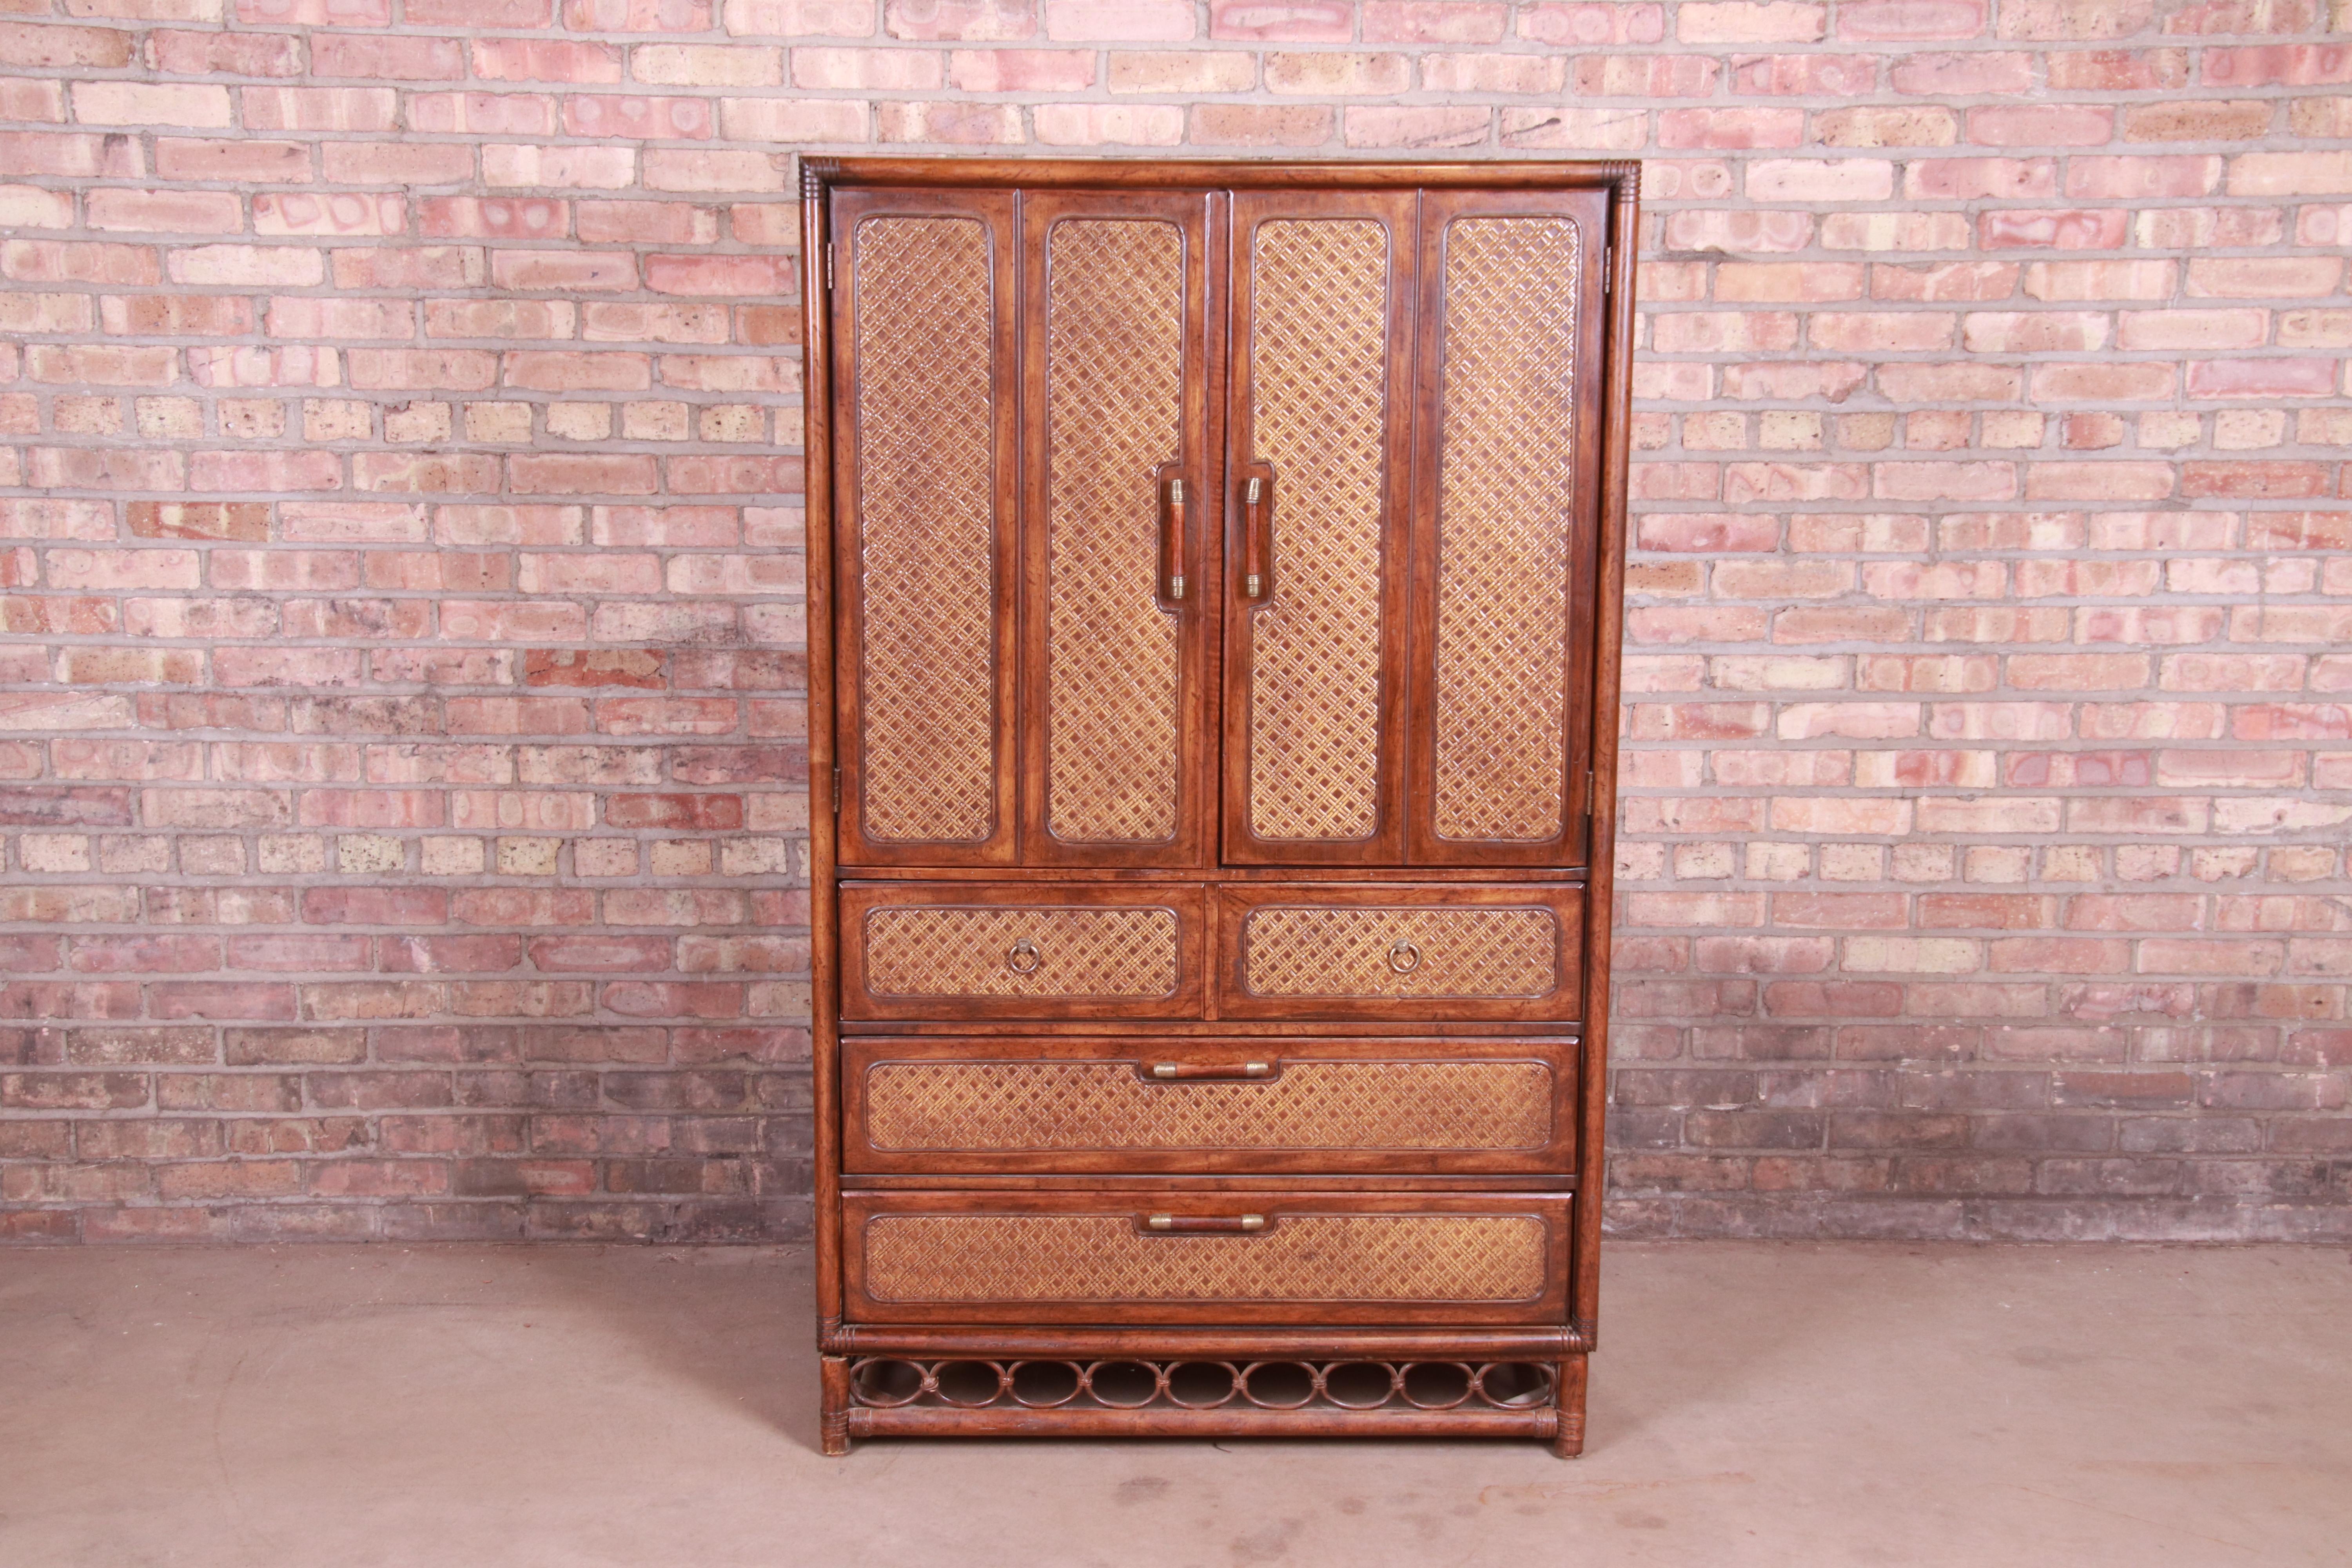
{"x":889,"y":1383}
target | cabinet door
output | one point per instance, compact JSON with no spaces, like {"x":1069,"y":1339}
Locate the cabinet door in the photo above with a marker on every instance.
{"x":926,"y":462}
{"x":1118,"y":471}
{"x":1313,"y":579}
{"x":1505,"y":526}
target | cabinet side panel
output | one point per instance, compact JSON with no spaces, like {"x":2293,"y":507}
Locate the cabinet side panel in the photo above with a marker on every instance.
{"x":925,"y":424}
{"x":1319,"y":377}
{"x":1115,"y":383}
{"x":1506,"y":506}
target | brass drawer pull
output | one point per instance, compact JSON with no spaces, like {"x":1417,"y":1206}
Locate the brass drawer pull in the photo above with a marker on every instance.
{"x":1403,"y":957}
{"x":1195,"y":1224}
{"x":1211,"y":1070}
{"x":1023,"y":958}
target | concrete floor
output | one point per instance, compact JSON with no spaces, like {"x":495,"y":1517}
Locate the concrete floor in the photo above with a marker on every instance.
{"x":506,"y":1407}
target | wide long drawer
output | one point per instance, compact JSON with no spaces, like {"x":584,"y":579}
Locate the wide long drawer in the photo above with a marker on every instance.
{"x":1026,"y":950}
{"x":1400,"y":951}
{"x":1174,"y":1104}
{"x":1160,"y":1256}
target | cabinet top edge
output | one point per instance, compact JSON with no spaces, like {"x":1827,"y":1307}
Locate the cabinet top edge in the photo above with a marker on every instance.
{"x":1219,"y":173}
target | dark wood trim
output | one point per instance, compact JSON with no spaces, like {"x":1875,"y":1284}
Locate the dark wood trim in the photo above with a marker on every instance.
{"x":996,"y":211}
{"x":1548,"y":1012}
{"x":933,"y":1421}
{"x":1225,"y":1342}
{"x":1195,"y":618}
{"x":816,"y":314}
{"x":862,"y":1055}
{"x":1567,"y":847}
{"x":1609,"y":631}
{"x":1228,"y":174}
{"x":1549,"y":1305}
{"x":1393,"y":210}
{"x":1183,"y":899}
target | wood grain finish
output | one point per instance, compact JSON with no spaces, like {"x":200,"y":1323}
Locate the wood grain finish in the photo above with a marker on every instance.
{"x":1400,"y":951}
{"x":1115,"y":366}
{"x":1505,"y":526}
{"x":1332,"y":1257}
{"x":1138,"y":904}
{"x":925,"y":467}
{"x":1027,"y":949}
{"x":1320,"y":422}
{"x":997,"y":1106}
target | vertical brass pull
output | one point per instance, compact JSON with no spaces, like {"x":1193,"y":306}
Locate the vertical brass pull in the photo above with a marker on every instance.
{"x":1253,"y":540}
{"x":1171,"y":542}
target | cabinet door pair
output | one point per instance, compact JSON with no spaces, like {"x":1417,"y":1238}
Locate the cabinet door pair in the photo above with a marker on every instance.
{"x":1186,"y":525}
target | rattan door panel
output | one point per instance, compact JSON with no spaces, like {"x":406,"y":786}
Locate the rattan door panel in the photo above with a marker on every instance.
{"x":1332,"y":1257}
{"x":1297,"y":1105}
{"x":1321,"y":414}
{"x":1399,"y":952}
{"x":1024,"y":949}
{"x":1116,"y":360}
{"x":925,"y":455}
{"x":1506,"y":527}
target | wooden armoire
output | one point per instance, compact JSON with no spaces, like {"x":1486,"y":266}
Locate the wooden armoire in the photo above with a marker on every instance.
{"x":1213,"y":625}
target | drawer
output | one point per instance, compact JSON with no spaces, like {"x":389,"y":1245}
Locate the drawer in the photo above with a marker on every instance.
{"x":1401,"y":953}
{"x":1026,"y":950}
{"x":978,"y":1107}
{"x":1160,"y":1257}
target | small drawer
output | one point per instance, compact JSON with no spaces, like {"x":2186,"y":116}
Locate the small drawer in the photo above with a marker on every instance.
{"x":1181,"y":1105}
{"x":1030,"y":950}
{"x":1160,"y":1257}
{"x":1401,"y":952}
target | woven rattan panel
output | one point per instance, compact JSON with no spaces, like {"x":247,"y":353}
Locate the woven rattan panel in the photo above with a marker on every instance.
{"x":971,"y":952}
{"x":1305,"y":951}
{"x":1302,"y":1257}
{"x":1318,"y":380}
{"x":1506,"y":517}
{"x":926,"y":471}
{"x":999,"y":1105}
{"x":1114,"y":398}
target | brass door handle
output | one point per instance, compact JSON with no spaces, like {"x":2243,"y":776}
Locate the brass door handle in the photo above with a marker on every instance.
{"x":1023,"y":957}
{"x":1200,"y":1224}
{"x":1255,"y":493}
{"x":1172,"y":541}
{"x":1165,"y":1071}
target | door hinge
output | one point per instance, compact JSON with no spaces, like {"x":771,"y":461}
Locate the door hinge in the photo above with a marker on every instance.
{"x":1607,"y":256}
{"x":828,"y":265}
{"x":833,"y":801}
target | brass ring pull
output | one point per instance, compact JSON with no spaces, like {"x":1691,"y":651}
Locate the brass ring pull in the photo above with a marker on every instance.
{"x":1403,"y":957}
{"x":1024,"y":957}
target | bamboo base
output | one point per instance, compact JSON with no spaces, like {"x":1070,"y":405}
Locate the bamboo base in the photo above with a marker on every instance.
{"x":1237,"y":1395}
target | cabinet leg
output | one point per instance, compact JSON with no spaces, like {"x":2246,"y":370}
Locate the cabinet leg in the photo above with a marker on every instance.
{"x":833,"y":1371}
{"x":1569,"y":1441}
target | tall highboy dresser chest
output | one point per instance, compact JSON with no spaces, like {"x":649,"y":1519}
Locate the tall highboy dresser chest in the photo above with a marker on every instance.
{"x":1213,"y":625}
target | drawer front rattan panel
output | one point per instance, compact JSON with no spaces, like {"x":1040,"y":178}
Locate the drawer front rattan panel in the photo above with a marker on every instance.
{"x":1401,"y":952}
{"x":1073,"y":1256}
{"x":1016,"y":951}
{"x":1379,"y":1106}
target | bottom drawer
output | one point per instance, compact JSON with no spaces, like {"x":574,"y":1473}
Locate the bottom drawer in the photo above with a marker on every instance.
{"x":1158,"y":1257}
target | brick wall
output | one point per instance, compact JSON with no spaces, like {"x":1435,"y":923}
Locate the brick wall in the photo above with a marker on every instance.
{"x":402,"y":694}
